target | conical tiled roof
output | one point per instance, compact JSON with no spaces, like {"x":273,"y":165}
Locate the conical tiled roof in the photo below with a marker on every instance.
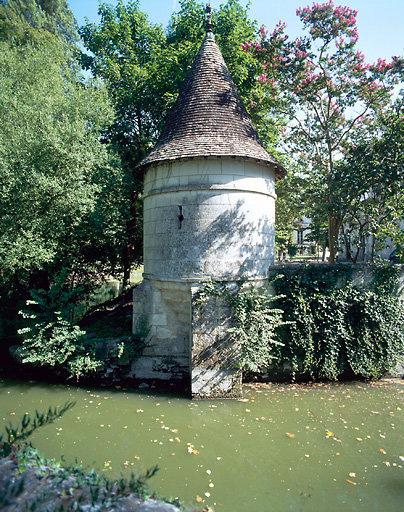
{"x":209,"y":118}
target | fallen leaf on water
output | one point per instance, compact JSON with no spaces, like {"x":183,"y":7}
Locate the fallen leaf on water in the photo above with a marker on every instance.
{"x":199,"y":499}
{"x":383,"y":451}
{"x":192,"y":450}
{"x":359,"y":439}
{"x":290,"y":434}
{"x":352,"y":475}
{"x":350,"y":482}
{"x":329,"y":434}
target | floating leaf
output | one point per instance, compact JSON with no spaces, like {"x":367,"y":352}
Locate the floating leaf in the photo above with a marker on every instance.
{"x":350,"y":482}
{"x":199,"y":499}
{"x":290,"y":434}
{"x":329,"y":434}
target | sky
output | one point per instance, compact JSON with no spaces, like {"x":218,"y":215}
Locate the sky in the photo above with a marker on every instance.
{"x":380,"y":22}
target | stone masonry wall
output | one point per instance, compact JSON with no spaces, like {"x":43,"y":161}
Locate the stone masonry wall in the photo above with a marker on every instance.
{"x":228,"y":226}
{"x":162,"y":317}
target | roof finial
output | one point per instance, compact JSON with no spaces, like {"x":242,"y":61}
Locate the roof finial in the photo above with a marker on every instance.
{"x":208,"y":18}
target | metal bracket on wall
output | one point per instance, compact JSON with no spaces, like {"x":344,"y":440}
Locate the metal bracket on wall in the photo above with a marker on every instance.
{"x":180,"y":217}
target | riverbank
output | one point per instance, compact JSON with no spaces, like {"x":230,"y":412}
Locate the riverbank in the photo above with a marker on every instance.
{"x":28,"y":481}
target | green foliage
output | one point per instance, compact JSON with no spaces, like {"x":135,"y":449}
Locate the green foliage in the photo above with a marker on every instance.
{"x":370,"y":187}
{"x":56,"y":343}
{"x":256,"y":326}
{"x":290,"y":193}
{"x":36,"y":21}
{"x":50,"y":161}
{"x":331,"y":97}
{"x":50,"y":340}
{"x":337,"y":328}
{"x":255,"y":322}
{"x":17,"y":435}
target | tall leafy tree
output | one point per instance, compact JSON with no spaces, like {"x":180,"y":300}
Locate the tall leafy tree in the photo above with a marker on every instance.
{"x":51,"y":159}
{"x":61,"y":201}
{"x":34,"y":20}
{"x":371,"y":181}
{"x":324,"y":85}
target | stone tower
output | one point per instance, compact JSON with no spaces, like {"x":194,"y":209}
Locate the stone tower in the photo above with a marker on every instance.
{"x":209,"y":213}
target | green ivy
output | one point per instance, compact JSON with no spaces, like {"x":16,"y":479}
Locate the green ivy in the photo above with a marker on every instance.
{"x":336,"y":328}
{"x":255,"y":321}
{"x":321,"y":321}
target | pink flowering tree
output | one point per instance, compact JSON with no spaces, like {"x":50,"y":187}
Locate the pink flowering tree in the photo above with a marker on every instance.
{"x":328,"y":92}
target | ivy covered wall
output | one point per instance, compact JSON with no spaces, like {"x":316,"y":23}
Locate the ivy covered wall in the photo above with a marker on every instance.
{"x":342,"y":321}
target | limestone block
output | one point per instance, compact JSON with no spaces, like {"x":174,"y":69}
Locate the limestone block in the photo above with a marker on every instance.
{"x":236,"y":167}
{"x":211,"y":383}
{"x":159,"y":319}
{"x":209,"y":166}
{"x":214,"y":358}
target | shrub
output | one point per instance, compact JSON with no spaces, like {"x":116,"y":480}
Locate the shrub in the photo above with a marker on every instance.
{"x":49,"y":338}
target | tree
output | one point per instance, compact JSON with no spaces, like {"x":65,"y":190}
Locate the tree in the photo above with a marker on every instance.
{"x":60,"y":193}
{"x":143,"y":68}
{"x":35,"y":20}
{"x":323,"y":84}
{"x":289,"y":207}
{"x":371,"y":180}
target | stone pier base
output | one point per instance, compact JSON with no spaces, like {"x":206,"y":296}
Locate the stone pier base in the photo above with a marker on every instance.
{"x":186,"y":339}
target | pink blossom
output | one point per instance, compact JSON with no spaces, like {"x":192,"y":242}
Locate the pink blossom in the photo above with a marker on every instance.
{"x":301,"y":54}
{"x":263,"y":78}
{"x":279,"y":28}
{"x":263,"y":31}
{"x":382,"y":65}
{"x":251,"y":45}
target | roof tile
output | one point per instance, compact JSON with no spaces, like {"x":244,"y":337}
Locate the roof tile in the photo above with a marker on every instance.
{"x":209,"y":118}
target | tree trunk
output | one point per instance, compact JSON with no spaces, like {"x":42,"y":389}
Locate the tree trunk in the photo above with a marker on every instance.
{"x":333,"y":231}
{"x":372,"y":249}
{"x":347,"y":244}
{"x":129,"y":249}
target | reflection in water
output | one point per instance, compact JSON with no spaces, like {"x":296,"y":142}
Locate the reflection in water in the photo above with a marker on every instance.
{"x":280,"y":448}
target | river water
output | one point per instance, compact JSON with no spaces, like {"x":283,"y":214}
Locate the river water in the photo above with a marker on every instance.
{"x":313,"y":448}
